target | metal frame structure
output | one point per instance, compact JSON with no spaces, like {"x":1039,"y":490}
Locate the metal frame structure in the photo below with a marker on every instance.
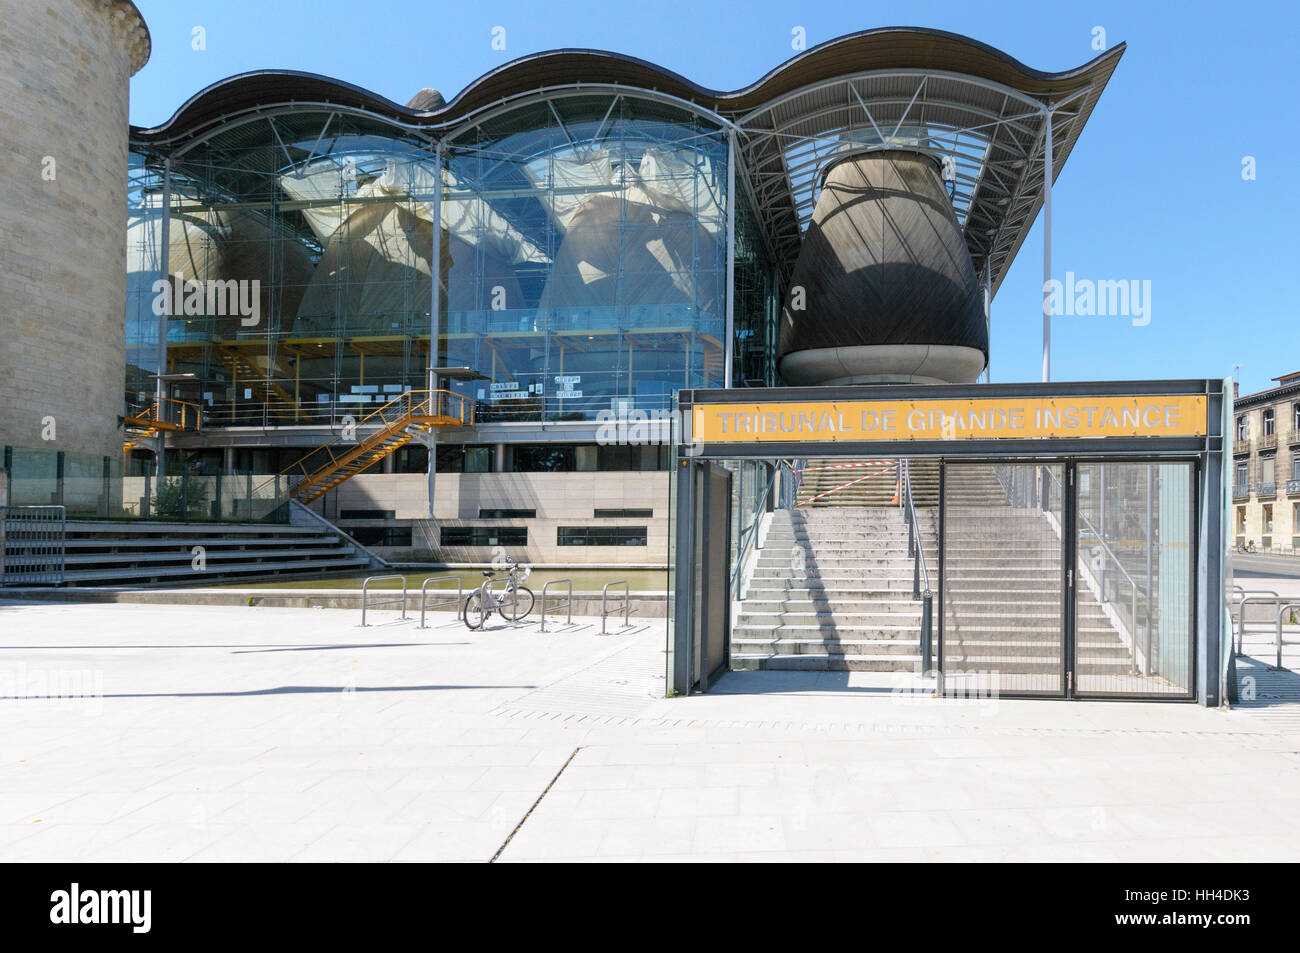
{"x":1211,"y":650}
{"x":1004,"y":129}
{"x":1070,"y":577}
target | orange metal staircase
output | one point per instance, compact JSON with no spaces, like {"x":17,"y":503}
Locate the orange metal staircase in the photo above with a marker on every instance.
{"x":398,"y":422}
{"x":146,"y":417}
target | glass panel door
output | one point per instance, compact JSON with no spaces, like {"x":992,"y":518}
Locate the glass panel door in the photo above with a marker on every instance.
{"x":1003,"y":581}
{"x":1133,"y":592}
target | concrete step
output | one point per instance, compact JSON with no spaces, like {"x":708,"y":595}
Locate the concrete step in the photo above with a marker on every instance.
{"x":811,"y":631}
{"x":957,"y":630}
{"x":842,"y":537}
{"x":957,"y":650}
{"x":142,"y":528}
{"x":187,"y":574}
{"x":97,"y":544}
{"x":851,"y":589}
{"x":826,"y":662}
{"x":831,"y":620}
{"x":1045,"y":666}
{"x":815,"y":559}
{"x":211,"y":556}
{"x":836,"y":646}
{"x":825,"y":606}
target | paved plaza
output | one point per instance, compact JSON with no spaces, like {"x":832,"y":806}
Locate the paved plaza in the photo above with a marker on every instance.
{"x":264,"y":734}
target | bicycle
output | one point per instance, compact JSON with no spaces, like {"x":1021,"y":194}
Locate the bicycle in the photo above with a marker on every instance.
{"x":514,"y":602}
{"x":1246,"y":547}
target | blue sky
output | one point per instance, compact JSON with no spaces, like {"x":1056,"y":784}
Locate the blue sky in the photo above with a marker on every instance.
{"x":1153,"y":191}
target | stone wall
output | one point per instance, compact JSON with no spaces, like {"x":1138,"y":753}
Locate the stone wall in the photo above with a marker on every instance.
{"x":65,"y":67}
{"x":559,"y":499}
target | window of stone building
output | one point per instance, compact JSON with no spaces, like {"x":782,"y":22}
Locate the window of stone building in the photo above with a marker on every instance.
{"x":1295,"y":418}
{"x":1268,"y":470}
{"x":1241,"y":520}
{"x":1243,"y":427}
{"x":1268,"y":519}
{"x":1243,"y":474}
{"x":1268,"y":417}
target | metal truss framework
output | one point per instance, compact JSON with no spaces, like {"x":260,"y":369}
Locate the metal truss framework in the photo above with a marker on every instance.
{"x":1001,"y":130}
{"x":993,"y":134}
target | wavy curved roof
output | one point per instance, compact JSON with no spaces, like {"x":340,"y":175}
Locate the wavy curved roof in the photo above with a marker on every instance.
{"x":992,"y":105}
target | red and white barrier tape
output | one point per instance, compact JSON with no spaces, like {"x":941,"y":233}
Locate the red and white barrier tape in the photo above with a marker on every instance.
{"x":889,"y":464}
{"x":850,"y":483}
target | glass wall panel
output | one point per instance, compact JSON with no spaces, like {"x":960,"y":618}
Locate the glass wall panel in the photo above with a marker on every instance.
{"x":298,"y":268}
{"x":581,"y":261}
{"x":1133,"y":629}
{"x":584,"y":257}
{"x":1003,"y":600}
{"x":756,"y":304}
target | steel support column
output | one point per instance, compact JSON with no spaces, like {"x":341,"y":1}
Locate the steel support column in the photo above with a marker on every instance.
{"x":1047,"y":245}
{"x":164,"y":264}
{"x":435,"y":305}
{"x":988,"y":319}
{"x":729,"y":348}
{"x":683,"y":644}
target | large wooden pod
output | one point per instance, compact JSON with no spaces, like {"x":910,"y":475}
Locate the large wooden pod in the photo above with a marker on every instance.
{"x":883,"y":288}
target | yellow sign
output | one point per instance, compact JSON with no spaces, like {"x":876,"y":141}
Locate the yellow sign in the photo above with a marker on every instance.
{"x":998,"y":418}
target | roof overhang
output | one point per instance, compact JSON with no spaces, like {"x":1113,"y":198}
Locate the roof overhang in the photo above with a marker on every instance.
{"x":891,"y":87}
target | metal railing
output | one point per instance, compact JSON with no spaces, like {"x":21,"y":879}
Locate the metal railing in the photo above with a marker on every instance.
{"x":424,"y":595}
{"x":148,"y":411}
{"x":604,"y":603}
{"x":750,"y":532}
{"x":365,"y":596}
{"x":1109,"y":554}
{"x":920,"y":570}
{"x":1282,"y":610}
{"x":33,"y":545}
{"x":370,"y":433}
{"x":567,"y":604}
{"x":1248,"y":596}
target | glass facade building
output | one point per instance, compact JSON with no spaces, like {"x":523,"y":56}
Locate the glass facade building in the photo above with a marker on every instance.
{"x":580,"y":242}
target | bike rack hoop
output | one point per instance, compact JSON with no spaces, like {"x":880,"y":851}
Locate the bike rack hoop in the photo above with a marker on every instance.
{"x":424,"y":595}
{"x":567,"y":604}
{"x":365,"y":596}
{"x":626,"y":606}
{"x":1249,"y":596}
{"x":1281,"y":611}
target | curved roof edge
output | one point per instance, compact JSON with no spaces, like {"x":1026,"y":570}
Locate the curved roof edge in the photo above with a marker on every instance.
{"x":880,"y":48}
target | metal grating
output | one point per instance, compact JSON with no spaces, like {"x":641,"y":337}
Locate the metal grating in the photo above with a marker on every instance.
{"x":33,"y":545}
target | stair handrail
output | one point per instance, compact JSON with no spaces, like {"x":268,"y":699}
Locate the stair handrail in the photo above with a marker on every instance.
{"x":920,"y":568}
{"x":750,"y":532}
{"x":1134,"y":589}
{"x":1104,"y":545}
{"x":435,"y":400}
{"x":154,"y":412}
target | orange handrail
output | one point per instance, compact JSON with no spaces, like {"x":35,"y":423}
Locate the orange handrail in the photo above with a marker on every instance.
{"x":400,"y":408}
{"x":150,"y":417}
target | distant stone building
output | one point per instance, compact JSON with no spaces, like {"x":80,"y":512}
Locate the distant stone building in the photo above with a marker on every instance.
{"x":1266,"y":467}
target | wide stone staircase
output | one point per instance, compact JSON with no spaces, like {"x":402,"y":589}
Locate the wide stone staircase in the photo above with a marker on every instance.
{"x":831,"y":588}
{"x":869,"y":483}
{"x":1003,"y":592}
{"x":145,"y":554}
